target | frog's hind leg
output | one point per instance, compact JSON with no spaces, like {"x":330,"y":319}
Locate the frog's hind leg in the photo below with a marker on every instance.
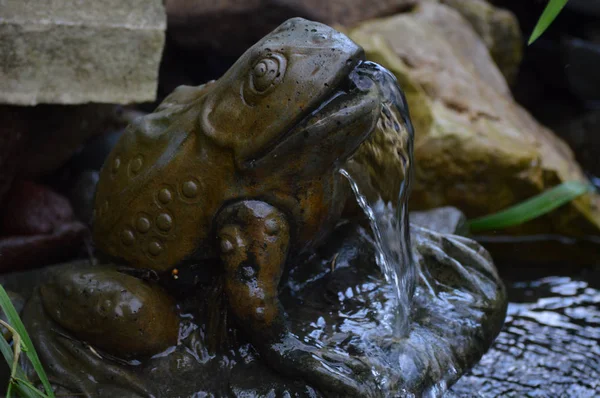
{"x":74,"y":367}
{"x":112,"y":311}
{"x":87,"y":322}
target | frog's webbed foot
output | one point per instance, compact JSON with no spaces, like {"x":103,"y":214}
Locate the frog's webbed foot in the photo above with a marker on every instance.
{"x":254,"y":239}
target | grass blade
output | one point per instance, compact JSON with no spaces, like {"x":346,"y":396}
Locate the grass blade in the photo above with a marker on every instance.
{"x":531,"y":208}
{"x":548,"y":16}
{"x":15,"y":321}
{"x":7,"y":352}
{"x":24,"y":385}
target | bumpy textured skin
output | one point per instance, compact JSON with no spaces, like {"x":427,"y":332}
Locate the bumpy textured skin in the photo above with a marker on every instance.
{"x":205,"y":146}
{"x":254,"y":240}
{"x":115,"y":312}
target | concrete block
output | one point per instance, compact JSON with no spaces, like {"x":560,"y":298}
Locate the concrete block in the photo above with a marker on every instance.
{"x":72,"y":52}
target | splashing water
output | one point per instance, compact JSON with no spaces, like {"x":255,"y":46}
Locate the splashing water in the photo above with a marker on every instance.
{"x":388,"y":216}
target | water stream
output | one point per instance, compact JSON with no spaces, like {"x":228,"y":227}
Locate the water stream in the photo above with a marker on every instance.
{"x":390,"y":228}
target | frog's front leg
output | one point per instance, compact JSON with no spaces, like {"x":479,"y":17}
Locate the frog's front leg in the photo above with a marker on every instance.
{"x":254,"y":240}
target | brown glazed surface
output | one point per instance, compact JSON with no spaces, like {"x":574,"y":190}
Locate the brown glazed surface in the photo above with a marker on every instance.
{"x":237,"y":138}
{"x":111,"y":310}
{"x":242,"y":170}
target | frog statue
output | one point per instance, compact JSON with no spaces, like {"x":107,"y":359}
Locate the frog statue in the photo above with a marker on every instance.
{"x":220,"y":195}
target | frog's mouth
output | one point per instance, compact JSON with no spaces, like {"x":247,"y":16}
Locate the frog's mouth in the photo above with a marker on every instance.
{"x":332,"y":130}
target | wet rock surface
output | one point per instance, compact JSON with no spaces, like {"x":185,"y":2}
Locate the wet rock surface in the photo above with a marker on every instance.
{"x":337,"y":299}
{"x":549,"y":346}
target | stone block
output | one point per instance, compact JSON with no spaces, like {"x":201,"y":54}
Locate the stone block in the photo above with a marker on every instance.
{"x":65,"y":52}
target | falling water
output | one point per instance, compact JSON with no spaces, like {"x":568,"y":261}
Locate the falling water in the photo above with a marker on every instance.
{"x":388,"y":214}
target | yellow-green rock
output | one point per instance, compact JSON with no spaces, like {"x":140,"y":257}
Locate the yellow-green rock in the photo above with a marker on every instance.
{"x":476,"y":148}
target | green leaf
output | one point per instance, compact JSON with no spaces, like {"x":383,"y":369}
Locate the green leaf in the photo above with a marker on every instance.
{"x":15,"y":321}
{"x":548,"y":16}
{"x":531,"y":208}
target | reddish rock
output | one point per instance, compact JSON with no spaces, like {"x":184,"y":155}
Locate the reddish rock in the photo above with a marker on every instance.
{"x":231,"y":26}
{"x":32,"y":209}
{"x":37,"y":227}
{"x":23,"y":252}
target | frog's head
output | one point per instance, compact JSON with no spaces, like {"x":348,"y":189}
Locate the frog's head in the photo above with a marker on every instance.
{"x":295,"y":97}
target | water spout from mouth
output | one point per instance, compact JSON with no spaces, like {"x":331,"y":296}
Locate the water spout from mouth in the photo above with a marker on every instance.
{"x":388,"y":216}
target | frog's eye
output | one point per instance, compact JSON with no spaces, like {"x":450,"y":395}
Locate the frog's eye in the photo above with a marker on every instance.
{"x":267,"y":73}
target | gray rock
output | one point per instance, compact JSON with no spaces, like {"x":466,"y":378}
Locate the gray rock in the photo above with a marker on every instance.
{"x":444,"y":220}
{"x":96,"y":51}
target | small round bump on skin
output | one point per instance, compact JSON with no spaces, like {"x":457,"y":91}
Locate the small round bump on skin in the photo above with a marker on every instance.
{"x":226,"y":245}
{"x":116,"y":164}
{"x":127,"y":237}
{"x":271,"y":227}
{"x":155,"y":248}
{"x":189,"y":189}
{"x":142,"y":224}
{"x":136,"y":164}
{"x":164,"y":196}
{"x":164,"y":222}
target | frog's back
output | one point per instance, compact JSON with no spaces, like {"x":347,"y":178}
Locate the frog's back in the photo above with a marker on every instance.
{"x":152,"y":207}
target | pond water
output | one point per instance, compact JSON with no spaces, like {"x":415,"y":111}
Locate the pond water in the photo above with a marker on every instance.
{"x":550,"y":343}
